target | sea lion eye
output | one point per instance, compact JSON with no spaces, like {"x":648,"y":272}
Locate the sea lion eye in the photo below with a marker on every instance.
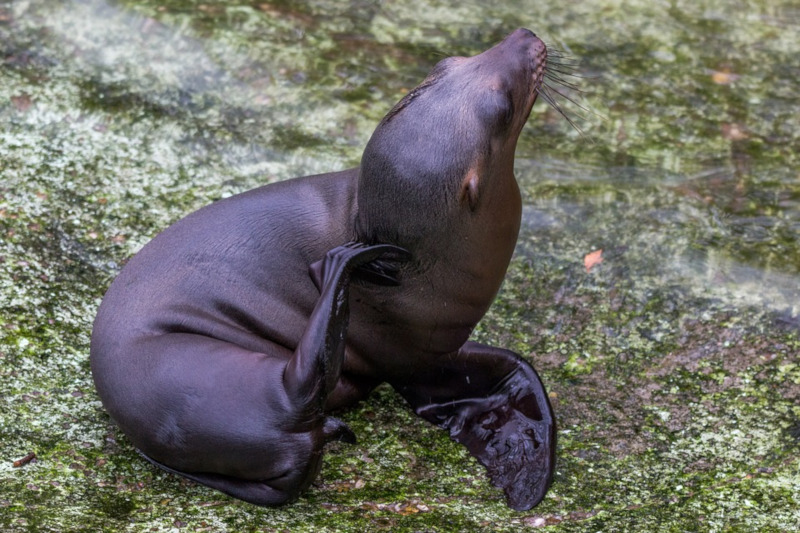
{"x":497,"y":110}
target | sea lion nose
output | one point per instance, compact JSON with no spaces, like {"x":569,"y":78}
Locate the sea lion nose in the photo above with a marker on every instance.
{"x":523,"y":33}
{"x":525,"y":39}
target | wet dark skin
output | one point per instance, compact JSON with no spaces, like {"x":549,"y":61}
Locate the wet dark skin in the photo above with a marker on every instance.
{"x":224,"y":345}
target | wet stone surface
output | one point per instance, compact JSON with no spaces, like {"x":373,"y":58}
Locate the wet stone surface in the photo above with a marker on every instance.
{"x":673,"y":363}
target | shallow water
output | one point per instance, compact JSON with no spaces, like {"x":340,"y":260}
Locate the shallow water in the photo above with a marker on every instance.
{"x":117,"y":118}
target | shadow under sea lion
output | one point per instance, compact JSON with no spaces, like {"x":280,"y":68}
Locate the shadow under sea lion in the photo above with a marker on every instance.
{"x":224,"y":343}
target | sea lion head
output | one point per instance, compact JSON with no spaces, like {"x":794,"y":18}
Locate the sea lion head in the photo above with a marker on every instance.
{"x":440,"y":151}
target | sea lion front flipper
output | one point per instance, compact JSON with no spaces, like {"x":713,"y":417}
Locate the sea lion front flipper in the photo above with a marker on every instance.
{"x":380,"y":271}
{"x":494,"y":403}
{"x":315,"y":367}
{"x":385,"y":269}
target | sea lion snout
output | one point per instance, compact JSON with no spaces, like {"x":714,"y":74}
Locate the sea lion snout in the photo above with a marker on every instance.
{"x":524,"y":40}
{"x":522,"y":37}
{"x":519,"y":62}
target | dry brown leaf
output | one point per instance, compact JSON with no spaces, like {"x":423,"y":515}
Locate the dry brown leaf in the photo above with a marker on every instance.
{"x":723,"y":78}
{"x":734,"y":132}
{"x":592,"y":259}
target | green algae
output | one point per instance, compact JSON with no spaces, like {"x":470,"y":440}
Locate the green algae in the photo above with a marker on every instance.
{"x":672,"y":365}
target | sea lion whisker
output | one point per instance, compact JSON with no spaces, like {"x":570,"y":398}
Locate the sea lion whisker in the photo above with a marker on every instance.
{"x":556,"y":77}
{"x":544,"y":92}
{"x":560,"y":66}
{"x":567,"y":67}
{"x":561,"y":56}
{"x":562,"y":62}
{"x":561,"y":81}
{"x":565,"y":96}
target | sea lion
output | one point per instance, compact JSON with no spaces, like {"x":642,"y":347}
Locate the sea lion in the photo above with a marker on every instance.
{"x":224,"y":344}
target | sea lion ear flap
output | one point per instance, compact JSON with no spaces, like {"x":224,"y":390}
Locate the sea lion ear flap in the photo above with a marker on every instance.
{"x":469,"y":188}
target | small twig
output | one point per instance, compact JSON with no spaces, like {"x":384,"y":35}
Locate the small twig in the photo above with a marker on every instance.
{"x":25,"y":460}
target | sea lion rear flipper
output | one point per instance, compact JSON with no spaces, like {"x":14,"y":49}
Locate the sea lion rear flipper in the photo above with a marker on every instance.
{"x":494,"y":403}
